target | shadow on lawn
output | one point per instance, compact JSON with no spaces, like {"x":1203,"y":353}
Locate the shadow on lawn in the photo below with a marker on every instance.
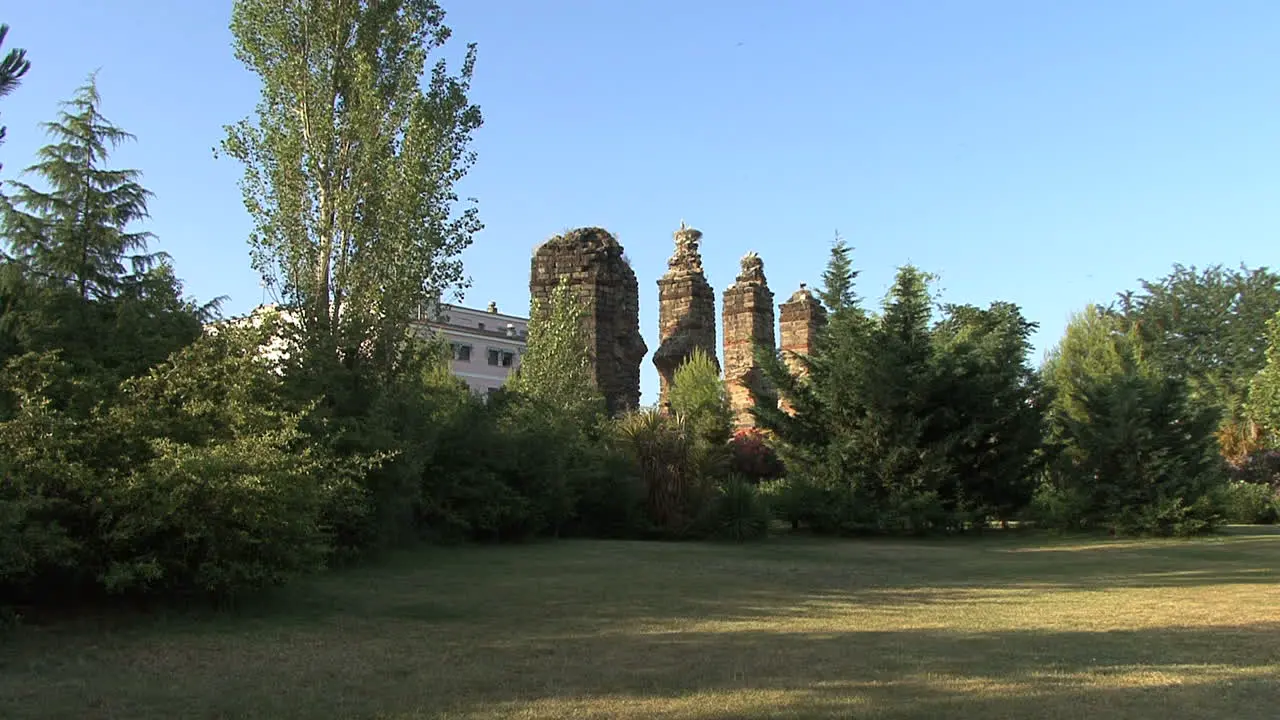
{"x":1156,"y":673}
{"x":787,"y":628}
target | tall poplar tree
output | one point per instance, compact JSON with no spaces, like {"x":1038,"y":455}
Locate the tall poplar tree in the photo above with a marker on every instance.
{"x":351,"y":161}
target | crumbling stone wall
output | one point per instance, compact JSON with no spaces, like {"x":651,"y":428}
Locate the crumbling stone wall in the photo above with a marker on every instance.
{"x":799,"y":320}
{"x":592,"y":261}
{"x":686,"y":311}
{"x":748,"y":320}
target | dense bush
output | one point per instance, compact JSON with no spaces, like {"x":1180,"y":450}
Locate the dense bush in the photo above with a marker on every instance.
{"x":1250,"y":503}
{"x":752,"y":456}
{"x":740,"y":511}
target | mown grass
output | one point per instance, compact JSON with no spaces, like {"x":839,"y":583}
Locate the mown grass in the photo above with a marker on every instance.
{"x":999,"y":627}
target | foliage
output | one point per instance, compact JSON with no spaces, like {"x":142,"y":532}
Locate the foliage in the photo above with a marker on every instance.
{"x":1250,"y":503}
{"x":673,"y":465}
{"x":193,"y":482}
{"x":13,"y":66}
{"x":740,"y":510}
{"x":351,"y":162}
{"x":1207,"y":328}
{"x":1136,"y":452}
{"x":698,"y":394}
{"x":1263,"y":407}
{"x":753,"y":457}
{"x":557,"y":368}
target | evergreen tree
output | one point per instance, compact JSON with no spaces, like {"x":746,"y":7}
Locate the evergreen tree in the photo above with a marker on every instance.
{"x":839,"y":278}
{"x":78,"y":279}
{"x":13,"y":66}
{"x":1135,"y":451}
{"x":76,"y":233}
{"x":991,"y":409}
{"x":351,"y":162}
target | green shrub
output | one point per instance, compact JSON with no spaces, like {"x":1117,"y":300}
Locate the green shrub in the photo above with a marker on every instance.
{"x":1250,"y":503}
{"x":740,"y":511}
{"x":674,"y":466}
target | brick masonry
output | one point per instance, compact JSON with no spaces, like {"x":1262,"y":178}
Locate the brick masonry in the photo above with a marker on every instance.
{"x":686,"y":310}
{"x":799,"y":320}
{"x":592,"y":261}
{"x":748,"y":320}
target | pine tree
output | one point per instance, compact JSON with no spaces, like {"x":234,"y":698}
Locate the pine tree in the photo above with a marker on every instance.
{"x":1134,"y":450}
{"x":13,"y":66}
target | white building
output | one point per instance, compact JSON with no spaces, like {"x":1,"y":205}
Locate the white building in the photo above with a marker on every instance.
{"x":487,"y":345}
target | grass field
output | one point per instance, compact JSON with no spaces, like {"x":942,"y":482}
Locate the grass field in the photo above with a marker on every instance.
{"x":1000,"y":627}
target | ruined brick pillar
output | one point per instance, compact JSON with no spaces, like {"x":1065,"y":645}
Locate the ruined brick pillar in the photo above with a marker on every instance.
{"x":748,"y":321}
{"x":686,"y":310}
{"x":592,"y":261}
{"x":799,"y":320}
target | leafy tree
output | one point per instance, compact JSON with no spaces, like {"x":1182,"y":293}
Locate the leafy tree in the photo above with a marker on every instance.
{"x":1264,"y":393}
{"x":351,"y":162}
{"x":557,"y":365}
{"x":1208,"y":328}
{"x":698,"y":393}
{"x":13,"y":66}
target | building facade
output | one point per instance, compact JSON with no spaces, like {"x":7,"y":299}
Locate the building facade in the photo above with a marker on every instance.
{"x":487,"y":345}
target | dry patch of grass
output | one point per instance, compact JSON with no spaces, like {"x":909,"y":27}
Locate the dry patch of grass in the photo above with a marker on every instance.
{"x":1002,"y":627}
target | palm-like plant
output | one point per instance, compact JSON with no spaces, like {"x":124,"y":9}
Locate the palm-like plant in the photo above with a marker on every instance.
{"x":671,"y":462}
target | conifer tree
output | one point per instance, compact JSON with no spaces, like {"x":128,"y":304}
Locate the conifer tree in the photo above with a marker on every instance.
{"x":77,"y":277}
{"x":77,"y":233}
{"x":839,"y":278}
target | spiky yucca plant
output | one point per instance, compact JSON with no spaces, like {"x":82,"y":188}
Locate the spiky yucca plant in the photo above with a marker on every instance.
{"x":673,"y":464}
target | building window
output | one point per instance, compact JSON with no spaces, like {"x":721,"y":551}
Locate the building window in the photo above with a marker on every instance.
{"x":461,"y":352}
{"x":508,"y":358}
{"x":494,"y":357}
{"x":481,"y":326}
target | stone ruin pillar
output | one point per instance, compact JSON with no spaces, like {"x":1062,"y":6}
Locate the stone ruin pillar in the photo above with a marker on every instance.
{"x":592,"y":261}
{"x":799,"y":320}
{"x":686,"y":311}
{"x":748,"y":321}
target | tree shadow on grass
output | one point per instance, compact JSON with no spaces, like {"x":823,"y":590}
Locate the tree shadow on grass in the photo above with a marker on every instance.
{"x":1229,"y":672}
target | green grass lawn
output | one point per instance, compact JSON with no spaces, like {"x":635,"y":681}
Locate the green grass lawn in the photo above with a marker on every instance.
{"x":999,"y":627}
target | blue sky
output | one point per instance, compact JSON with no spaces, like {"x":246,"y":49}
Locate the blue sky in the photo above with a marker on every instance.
{"x":1045,"y":153}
